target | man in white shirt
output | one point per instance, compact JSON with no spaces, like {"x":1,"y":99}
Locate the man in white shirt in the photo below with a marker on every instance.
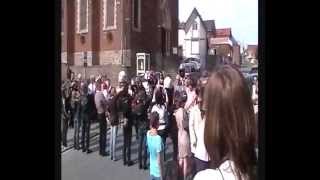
{"x":92,"y":85}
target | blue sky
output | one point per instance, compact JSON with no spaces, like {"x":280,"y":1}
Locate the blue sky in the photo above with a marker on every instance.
{"x":240,"y":15}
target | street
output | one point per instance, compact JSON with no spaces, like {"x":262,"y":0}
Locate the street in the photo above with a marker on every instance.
{"x":76,"y":165}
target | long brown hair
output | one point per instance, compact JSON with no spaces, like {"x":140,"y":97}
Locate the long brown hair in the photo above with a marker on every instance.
{"x":230,"y":130}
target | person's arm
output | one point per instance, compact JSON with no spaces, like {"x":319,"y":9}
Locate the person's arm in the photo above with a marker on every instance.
{"x":154,"y":95}
{"x":167,"y":98}
{"x":192,"y":132}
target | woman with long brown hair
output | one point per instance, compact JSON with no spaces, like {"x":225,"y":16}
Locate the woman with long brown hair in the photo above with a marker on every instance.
{"x":230,"y":129}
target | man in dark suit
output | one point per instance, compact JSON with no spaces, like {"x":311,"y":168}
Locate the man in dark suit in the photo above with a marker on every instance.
{"x":124,"y":107}
{"x":75,"y":103}
{"x":139,"y":109}
{"x":85,"y":109}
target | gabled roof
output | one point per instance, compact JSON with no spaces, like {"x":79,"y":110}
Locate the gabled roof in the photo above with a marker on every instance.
{"x":253,"y":49}
{"x":194,"y":14}
{"x":182,"y":25}
{"x":225,"y":32}
{"x":210,"y":25}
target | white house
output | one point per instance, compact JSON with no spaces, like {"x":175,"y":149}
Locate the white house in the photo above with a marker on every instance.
{"x":193,"y":37}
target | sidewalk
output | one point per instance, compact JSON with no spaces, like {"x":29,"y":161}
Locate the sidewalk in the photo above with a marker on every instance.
{"x":76,"y":165}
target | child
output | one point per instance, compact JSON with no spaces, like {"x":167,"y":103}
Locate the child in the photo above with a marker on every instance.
{"x":155,"y":147}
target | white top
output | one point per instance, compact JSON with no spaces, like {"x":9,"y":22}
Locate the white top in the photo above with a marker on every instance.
{"x":105,"y":93}
{"x":191,"y":97}
{"x":226,"y":173}
{"x":167,"y":82}
{"x":254,"y":94}
{"x":196,"y":131}
{"x":92,"y":88}
{"x":160,"y":110}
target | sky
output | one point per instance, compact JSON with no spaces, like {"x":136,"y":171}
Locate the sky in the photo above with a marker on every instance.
{"x":240,"y":15}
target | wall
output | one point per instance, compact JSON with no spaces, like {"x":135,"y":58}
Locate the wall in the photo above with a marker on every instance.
{"x":95,"y":70}
{"x":107,"y":53}
{"x":223,"y":49}
{"x":236,"y":54}
{"x":83,"y":42}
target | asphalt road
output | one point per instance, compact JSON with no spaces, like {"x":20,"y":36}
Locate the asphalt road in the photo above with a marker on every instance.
{"x":76,"y":165}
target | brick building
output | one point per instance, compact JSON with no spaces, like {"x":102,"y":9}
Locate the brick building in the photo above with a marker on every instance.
{"x":109,"y":33}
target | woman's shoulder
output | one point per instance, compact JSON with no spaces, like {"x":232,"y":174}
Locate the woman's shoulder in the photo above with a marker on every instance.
{"x":225,"y":172}
{"x":208,"y":174}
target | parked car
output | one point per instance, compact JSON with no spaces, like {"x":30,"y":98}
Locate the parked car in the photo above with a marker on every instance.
{"x":190,"y":64}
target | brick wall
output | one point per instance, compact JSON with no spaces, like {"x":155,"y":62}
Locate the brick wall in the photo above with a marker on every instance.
{"x":110,"y":57}
{"x":78,"y":58}
{"x":111,"y":70}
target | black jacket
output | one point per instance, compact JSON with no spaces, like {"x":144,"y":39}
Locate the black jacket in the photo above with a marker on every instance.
{"x":123,"y":104}
{"x":113,"y":111}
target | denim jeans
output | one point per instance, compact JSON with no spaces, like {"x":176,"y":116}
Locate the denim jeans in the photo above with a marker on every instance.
{"x":103,"y":134}
{"x":77,"y":125}
{"x":142,"y":148}
{"x":85,"y":131}
{"x":113,"y":140}
{"x":154,"y":178}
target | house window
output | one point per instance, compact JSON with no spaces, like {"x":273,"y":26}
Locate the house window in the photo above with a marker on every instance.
{"x":110,"y":14}
{"x":195,"y":47}
{"x":82,"y":16}
{"x":195,"y":26}
{"x":136,"y":13}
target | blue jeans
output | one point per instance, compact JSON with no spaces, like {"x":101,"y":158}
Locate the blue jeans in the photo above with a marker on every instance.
{"x":113,"y":140}
{"x":154,"y":178}
{"x":77,"y":127}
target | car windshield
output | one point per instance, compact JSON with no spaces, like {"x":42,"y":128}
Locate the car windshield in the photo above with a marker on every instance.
{"x":191,"y":59}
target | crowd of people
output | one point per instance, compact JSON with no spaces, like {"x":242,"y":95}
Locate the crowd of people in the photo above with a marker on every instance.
{"x":210,"y":120}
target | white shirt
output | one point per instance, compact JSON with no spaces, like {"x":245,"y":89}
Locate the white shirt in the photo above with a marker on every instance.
{"x":160,"y":110}
{"x":254,"y":94}
{"x":105,"y":93}
{"x":196,"y":131}
{"x":226,"y":173}
{"x":92,"y":88}
{"x":191,"y":97}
